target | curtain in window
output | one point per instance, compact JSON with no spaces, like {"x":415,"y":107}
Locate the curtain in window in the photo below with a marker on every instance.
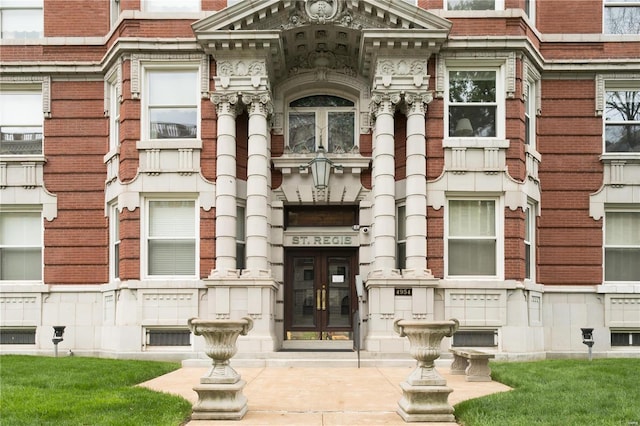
{"x":472,"y":237}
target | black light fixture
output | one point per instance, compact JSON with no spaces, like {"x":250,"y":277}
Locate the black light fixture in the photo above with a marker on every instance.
{"x":58,"y":332}
{"x":587,"y":339}
{"x":320,"y":168}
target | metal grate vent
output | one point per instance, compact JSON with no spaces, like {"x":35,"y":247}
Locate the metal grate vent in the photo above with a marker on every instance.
{"x":479,"y":338}
{"x":164,"y":337}
{"x":625,"y":338}
{"x":18,"y":336}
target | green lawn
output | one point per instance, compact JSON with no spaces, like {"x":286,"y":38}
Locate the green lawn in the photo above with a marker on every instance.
{"x":560,"y":392}
{"x":85,"y":391}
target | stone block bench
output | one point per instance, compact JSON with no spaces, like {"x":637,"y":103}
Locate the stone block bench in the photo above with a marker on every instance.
{"x":474,"y":364}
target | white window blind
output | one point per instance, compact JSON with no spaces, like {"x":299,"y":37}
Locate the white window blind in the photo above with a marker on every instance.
{"x":171,"y":241}
{"x":20,"y":246}
{"x":173,"y":104}
{"x":622,"y":246}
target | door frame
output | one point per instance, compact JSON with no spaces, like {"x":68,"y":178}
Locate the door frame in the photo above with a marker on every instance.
{"x":320,"y":255}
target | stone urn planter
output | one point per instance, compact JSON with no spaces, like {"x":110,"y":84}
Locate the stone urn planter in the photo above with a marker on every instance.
{"x":220,"y":390}
{"x":425,"y":392}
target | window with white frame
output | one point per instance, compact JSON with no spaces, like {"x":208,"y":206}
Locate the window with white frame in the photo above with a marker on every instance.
{"x":621,"y":17}
{"x":21,"y":121}
{"x":401,"y":245}
{"x":473,"y":107}
{"x":474,"y":4}
{"x":530,"y":10}
{"x":622,"y":119}
{"x":241,"y":242}
{"x":530,"y":114}
{"x":172,"y":103}
{"x":622,"y":245}
{"x":325,"y":120}
{"x":171,"y":238}
{"x":472,"y":238}
{"x":114,"y":11}
{"x":114,"y":241}
{"x":114,"y":115}
{"x":171,"y":5}
{"x":21,"y":19}
{"x":529,"y":241}
{"x":21,"y":245}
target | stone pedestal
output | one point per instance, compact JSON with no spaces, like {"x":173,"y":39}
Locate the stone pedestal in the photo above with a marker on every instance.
{"x":425,"y":394}
{"x":425,"y":403}
{"x":220,"y":390}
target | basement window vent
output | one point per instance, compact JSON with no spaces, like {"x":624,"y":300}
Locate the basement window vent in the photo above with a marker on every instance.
{"x":17,"y":336}
{"x":625,"y":338}
{"x":475,"y":338}
{"x":168,"y":337}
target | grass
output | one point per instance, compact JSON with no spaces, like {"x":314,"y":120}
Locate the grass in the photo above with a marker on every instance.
{"x":560,"y":392}
{"x":85,"y":391}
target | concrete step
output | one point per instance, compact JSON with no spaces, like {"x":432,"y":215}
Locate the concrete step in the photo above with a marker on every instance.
{"x":317,"y":359}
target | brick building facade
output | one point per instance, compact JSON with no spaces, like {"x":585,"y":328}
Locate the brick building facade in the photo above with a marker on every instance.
{"x":163,"y":160}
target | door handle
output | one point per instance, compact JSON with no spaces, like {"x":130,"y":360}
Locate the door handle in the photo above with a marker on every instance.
{"x":324,"y":299}
{"x":318,"y":300}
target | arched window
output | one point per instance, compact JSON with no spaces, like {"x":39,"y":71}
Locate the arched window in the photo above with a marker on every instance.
{"x":324,"y":120}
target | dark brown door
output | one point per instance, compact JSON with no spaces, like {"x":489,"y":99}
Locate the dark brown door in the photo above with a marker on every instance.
{"x":319,"y":294}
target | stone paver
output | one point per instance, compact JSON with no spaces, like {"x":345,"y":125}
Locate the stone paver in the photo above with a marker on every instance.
{"x":320,"y":396}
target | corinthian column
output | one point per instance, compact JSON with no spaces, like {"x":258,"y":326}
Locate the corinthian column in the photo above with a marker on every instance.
{"x":416,"y":185}
{"x":226,"y":185}
{"x":384,"y":224}
{"x":258,"y":185}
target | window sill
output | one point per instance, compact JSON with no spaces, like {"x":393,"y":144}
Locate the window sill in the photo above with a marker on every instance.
{"x":631,"y":157}
{"x":170,"y":144}
{"x":479,"y":143}
{"x":37,"y":158}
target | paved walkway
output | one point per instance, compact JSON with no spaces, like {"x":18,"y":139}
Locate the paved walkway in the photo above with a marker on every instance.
{"x":320,"y":396}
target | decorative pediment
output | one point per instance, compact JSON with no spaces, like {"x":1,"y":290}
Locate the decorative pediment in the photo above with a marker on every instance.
{"x":340,"y":35}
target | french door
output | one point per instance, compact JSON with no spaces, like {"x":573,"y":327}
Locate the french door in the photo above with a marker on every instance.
{"x":319,"y":294}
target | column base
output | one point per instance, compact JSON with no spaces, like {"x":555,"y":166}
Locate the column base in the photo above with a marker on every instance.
{"x":425,"y":404}
{"x":220,"y":402}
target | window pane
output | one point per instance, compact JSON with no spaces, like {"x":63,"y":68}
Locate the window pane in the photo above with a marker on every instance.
{"x":402,"y":221}
{"x":471,"y":4}
{"x":172,"y":5}
{"x":341,"y":131}
{"x":302,"y":131}
{"x":22,"y":23}
{"x":622,"y":106}
{"x":321,"y":101}
{"x":173,"y":123}
{"x":171,"y":219}
{"x":621,"y":20}
{"x":472,"y":86}
{"x":472,"y":218}
{"x":465,"y":121}
{"x":21,"y":109}
{"x":622,"y":228}
{"x":172,"y":257}
{"x":173,"y":87}
{"x":20,"y":229}
{"x":472,"y":257}
{"x":21,"y":263}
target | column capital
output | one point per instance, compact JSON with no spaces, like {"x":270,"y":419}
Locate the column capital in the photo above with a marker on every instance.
{"x":383,"y":101}
{"x":226,"y":102}
{"x":416,"y":102}
{"x":258,"y":102}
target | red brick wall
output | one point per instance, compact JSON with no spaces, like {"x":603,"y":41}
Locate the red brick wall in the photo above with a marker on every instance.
{"x":570,"y":141}
{"x":565,"y":17}
{"x":76,"y":242}
{"x":76,"y":18}
{"x":435,"y":241}
{"x":130,"y":244}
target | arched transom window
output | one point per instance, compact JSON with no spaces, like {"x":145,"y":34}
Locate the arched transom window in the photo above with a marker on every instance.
{"x":325,"y":120}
